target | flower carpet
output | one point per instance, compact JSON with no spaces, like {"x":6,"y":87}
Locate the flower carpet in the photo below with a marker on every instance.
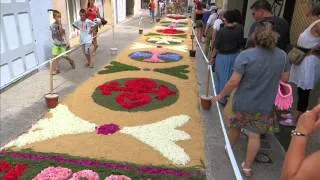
{"x":137,"y":118}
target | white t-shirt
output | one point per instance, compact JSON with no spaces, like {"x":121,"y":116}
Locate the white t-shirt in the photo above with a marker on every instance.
{"x":217,"y":24}
{"x":85,"y":28}
{"x":212,"y":18}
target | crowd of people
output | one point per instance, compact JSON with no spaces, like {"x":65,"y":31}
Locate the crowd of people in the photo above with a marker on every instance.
{"x":250,"y":70}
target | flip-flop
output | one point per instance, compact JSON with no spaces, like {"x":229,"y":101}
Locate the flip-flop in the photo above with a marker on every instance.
{"x":246,"y":171}
{"x":288,"y":122}
{"x":263,"y":158}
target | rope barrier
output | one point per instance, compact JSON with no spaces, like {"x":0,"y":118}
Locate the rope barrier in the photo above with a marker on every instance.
{"x":232,"y":158}
{"x":41,"y":65}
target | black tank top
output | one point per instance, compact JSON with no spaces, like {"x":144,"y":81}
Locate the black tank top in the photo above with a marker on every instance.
{"x":199,"y":16}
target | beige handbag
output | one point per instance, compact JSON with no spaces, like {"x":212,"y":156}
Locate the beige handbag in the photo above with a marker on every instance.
{"x":296,"y":56}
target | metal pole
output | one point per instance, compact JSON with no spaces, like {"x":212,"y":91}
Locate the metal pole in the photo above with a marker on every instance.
{"x":51,"y":78}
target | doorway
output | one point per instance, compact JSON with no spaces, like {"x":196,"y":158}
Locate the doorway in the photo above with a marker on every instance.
{"x":129,"y":7}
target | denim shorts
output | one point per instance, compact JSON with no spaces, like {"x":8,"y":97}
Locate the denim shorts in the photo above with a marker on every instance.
{"x":86,"y":48}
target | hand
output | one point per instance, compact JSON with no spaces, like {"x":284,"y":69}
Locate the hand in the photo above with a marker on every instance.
{"x":309,"y":122}
{"x":211,"y":61}
{"x":216,"y":98}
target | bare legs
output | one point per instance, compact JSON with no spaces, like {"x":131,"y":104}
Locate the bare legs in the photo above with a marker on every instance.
{"x":88,"y":57}
{"x":94,"y":42}
{"x":234,"y":134}
{"x":252,"y":149}
{"x":57,"y":64}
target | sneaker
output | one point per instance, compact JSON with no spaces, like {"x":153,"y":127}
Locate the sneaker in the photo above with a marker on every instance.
{"x":287,"y":116}
{"x":288,"y":122}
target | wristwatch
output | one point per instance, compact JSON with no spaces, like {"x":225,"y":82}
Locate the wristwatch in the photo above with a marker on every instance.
{"x":297,"y":133}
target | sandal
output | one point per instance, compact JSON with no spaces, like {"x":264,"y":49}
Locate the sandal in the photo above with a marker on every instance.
{"x":246,"y":171}
{"x":288,"y":122}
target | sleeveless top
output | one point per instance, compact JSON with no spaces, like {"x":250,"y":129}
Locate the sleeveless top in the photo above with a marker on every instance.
{"x":199,"y":16}
{"x":306,"y":39}
{"x":307,"y":74}
{"x":92,"y":12}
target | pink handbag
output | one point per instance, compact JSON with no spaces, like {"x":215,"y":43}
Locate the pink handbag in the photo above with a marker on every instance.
{"x":284,"y":98}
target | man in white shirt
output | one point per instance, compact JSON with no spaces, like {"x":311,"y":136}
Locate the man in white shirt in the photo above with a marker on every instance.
{"x":209,"y":27}
{"x":217,"y":25}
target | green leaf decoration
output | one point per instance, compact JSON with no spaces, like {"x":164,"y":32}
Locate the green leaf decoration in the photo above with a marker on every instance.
{"x":115,"y":66}
{"x":177,"y":71}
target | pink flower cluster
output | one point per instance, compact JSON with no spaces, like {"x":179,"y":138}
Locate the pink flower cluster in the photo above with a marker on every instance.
{"x":117,"y":177}
{"x":87,"y":174}
{"x":53,"y":173}
{"x":59,"y":173}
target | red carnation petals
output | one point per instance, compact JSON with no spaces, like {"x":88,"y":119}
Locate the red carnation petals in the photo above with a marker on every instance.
{"x":170,"y":31}
{"x":15,"y":173}
{"x":4,"y":166}
{"x":132,"y":100}
{"x":136,"y":92}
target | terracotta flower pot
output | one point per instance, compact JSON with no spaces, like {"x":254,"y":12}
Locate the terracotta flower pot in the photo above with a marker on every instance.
{"x":52,"y":100}
{"x":206,"y":102}
{"x":140,"y":31}
{"x":192,"y":53}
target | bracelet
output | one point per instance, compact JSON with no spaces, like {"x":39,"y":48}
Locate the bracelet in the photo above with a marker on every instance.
{"x":296,"y":133}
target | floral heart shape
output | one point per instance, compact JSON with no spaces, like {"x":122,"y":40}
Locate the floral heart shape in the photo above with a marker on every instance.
{"x":132,"y":100}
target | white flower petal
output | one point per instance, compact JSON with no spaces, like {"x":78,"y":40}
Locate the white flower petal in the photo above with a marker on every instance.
{"x":162,"y":137}
{"x":62,"y":122}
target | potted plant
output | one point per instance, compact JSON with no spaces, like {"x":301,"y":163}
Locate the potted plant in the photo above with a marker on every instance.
{"x":140,"y":31}
{"x":206,"y":99}
{"x":52,"y":99}
{"x":192,"y":52}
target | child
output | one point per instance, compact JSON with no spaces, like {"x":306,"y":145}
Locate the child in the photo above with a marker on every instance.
{"x":152,"y":8}
{"x":86,"y":27}
{"x":59,"y":41}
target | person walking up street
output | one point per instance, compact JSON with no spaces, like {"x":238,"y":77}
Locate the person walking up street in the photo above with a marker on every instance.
{"x":262,"y":12}
{"x":256,"y":75}
{"x":208,"y":31}
{"x":228,"y":43}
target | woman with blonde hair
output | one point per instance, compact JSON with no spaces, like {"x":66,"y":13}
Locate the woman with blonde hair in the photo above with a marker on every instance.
{"x":256,"y":76}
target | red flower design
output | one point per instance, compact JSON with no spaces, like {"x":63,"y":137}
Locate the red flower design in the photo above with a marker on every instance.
{"x":4,"y":166}
{"x":15,"y":173}
{"x":170,"y":31}
{"x":136,"y":92}
{"x":164,"y":92}
{"x":132,"y":100}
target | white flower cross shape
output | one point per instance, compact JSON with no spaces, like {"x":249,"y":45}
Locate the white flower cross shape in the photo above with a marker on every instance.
{"x":162,"y":137}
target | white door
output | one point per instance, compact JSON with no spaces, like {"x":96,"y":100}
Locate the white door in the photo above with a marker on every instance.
{"x":121,"y":10}
{"x":17,"y":42}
